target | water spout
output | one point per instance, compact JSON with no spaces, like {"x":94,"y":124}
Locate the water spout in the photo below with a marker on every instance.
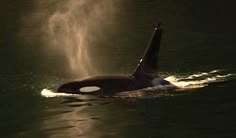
{"x":72,"y":28}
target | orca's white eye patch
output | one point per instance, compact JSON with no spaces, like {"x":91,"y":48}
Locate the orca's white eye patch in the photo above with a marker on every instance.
{"x":89,"y":89}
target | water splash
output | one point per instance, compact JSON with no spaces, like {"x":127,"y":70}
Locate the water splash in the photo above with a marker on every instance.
{"x":72,"y":29}
{"x":50,"y":93}
{"x":197,"y":80}
{"x":180,"y":82}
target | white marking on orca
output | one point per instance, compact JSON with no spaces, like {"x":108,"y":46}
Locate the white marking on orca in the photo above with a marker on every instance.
{"x":89,"y":89}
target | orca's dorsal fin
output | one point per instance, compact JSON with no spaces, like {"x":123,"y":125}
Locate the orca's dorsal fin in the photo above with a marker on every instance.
{"x":149,"y":61}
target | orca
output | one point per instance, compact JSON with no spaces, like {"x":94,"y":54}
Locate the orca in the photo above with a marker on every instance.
{"x":145,"y":75}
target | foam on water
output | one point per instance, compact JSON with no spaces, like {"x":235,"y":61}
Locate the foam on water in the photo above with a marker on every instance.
{"x":50,"y":93}
{"x":179,"y":82}
{"x":197,"y":80}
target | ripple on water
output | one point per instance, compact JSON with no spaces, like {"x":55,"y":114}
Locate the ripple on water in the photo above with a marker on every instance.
{"x":180,"y":82}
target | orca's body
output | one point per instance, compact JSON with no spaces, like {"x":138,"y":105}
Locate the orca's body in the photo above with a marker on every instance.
{"x":144,"y":76}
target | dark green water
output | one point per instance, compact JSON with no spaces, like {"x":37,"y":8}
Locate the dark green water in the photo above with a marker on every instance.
{"x":199,"y":36}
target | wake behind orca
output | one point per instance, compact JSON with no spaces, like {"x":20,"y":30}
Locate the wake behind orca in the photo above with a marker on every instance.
{"x":145,"y":75}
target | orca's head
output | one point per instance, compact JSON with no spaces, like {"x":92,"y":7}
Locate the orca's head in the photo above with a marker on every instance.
{"x":70,"y":87}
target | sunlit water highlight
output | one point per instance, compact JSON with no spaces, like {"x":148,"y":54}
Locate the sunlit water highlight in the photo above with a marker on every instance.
{"x":49,"y":93}
{"x":198,"y":80}
{"x":192,"y":81}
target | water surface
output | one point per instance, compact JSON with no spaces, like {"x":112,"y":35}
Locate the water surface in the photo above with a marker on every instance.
{"x":198,"y":38}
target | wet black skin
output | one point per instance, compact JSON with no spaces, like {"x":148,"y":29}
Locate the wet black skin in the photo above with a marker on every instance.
{"x":142,"y":77}
{"x":108,"y":84}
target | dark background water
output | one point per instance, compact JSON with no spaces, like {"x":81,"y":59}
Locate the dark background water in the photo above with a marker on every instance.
{"x":198,"y":36}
